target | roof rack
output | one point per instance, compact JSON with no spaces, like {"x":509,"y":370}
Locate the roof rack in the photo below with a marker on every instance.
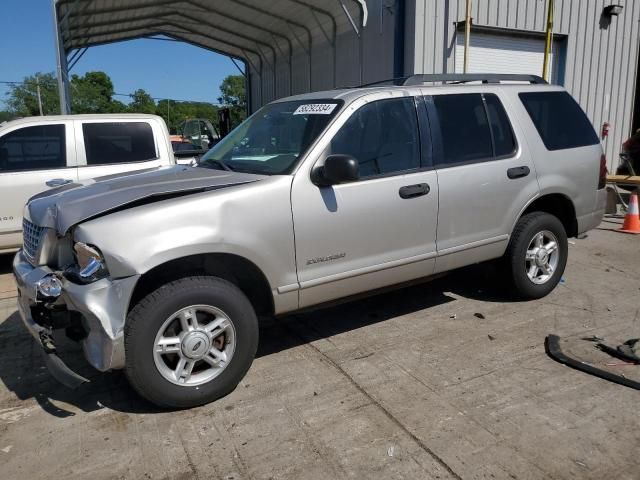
{"x":421,"y":78}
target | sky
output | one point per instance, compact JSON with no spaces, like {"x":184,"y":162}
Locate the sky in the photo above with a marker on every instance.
{"x":164,"y":69}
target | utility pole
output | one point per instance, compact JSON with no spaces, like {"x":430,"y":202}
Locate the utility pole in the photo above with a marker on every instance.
{"x":467,"y":35}
{"x":549,"y":39}
{"x":39,"y":96}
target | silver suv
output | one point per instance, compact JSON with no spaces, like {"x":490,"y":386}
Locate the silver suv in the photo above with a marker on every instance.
{"x":313,"y":198}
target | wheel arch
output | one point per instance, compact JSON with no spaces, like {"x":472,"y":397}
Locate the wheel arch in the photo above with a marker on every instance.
{"x":560,"y":206}
{"x":231,"y":267}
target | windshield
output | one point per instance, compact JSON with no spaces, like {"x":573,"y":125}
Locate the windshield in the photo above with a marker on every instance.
{"x":272,"y":140}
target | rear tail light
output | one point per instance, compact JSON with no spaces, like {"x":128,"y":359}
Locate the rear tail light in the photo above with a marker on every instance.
{"x":602,"y":181}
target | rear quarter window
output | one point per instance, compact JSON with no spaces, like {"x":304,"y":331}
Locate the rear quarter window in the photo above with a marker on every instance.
{"x":504,"y":141}
{"x":559,"y":120}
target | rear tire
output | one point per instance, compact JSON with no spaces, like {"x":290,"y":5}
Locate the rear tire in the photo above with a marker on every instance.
{"x":190,"y":342}
{"x":537,"y":255}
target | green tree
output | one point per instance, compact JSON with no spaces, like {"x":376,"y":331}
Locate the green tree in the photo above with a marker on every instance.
{"x":208,"y":111}
{"x":93,"y":93}
{"x":117,"y":106}
{"x":178,"y":112}
{"x":22,"y":98}
{"x":142,"y":102}
{"x":234,"y":96}
{"x":6,"y":116}
{"x":172,"y":112}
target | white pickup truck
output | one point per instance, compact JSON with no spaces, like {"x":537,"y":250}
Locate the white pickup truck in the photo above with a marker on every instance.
{"x":37,"y":153}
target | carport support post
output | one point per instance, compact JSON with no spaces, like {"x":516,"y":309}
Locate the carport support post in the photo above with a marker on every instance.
{"x":61,"y":64}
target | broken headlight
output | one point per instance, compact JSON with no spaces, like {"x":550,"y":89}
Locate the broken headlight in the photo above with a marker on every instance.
{"x":90,"y":262}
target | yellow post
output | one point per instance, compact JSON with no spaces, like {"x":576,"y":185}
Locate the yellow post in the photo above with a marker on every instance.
{"x":467,"y":34}
{"x":549,"y":40}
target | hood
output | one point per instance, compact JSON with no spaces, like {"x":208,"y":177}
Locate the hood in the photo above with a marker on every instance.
{"x":63,"y":207}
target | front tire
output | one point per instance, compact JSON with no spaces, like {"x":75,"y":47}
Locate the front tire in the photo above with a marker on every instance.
{"x":537,"y":255}
{"x":190,"y":342}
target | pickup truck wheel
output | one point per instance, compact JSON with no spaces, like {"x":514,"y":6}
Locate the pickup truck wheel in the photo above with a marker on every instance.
{"x":190,"y":342}
{"x":537,"y":255}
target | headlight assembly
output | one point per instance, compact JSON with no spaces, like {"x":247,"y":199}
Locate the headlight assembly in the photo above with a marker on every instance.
{"x":90,"y":262}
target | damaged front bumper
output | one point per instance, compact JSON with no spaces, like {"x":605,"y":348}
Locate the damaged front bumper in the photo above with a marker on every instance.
{"x":99,"y":308}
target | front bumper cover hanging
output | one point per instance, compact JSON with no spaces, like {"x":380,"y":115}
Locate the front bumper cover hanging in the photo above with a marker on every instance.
{"x":552,"y":346}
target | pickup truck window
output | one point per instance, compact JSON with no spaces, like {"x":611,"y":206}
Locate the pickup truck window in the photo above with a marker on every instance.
{"x":382,"y":136}
{"x":33,"y":148}
{"x":273,"y":139}
{"x":124,"y":142}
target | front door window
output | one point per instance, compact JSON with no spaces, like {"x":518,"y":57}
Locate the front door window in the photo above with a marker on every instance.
{"x":382,"y":136}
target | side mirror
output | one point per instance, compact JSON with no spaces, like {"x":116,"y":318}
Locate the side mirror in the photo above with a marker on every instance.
{"x":336,"y":169}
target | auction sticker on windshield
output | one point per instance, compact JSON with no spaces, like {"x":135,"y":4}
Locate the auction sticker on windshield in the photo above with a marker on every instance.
{"x":315,"y":109}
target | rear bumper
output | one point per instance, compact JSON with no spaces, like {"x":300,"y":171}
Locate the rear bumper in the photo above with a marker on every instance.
{"x":102,"y":306}
{"x":592,"y":220}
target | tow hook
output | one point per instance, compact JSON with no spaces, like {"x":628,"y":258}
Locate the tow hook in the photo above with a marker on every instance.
{"x":46,"y":340}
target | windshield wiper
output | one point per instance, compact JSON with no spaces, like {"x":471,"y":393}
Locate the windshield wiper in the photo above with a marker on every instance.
{"x":211,"y":162}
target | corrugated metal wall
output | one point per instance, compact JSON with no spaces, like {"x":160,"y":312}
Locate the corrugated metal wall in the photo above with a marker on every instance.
{"x":354,"y":60}
{"x":601,"y":57}
{"x":600,"y":68}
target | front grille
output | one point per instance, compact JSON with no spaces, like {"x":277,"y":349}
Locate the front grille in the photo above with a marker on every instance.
{"x":31,"y":235}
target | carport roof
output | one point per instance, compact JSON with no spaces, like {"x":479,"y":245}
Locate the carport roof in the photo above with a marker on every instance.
{"x":244,"y":29}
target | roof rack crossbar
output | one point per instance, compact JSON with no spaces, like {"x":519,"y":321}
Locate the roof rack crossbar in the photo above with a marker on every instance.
{"x":421,"y":78}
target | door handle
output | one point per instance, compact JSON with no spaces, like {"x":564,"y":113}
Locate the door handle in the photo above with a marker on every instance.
{"x":412,"y":191}
{"x":518,"y":172}
{"x":57,"y":182}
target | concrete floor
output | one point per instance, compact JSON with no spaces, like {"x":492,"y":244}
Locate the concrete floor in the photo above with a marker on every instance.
{"x":387,"y":387}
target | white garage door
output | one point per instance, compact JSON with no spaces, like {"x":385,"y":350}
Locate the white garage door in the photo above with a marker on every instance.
{"x":490,"y":53}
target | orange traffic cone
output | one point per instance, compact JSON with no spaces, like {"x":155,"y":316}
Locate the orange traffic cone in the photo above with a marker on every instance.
{"x":632,"y":218}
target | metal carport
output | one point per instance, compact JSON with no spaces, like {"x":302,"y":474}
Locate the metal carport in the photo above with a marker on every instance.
{"x":288,"y":46}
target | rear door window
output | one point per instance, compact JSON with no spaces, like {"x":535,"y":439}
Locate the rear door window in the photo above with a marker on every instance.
{"x":504,"y":140}
{"x":39,"y":147}
{"x":464,"y":129}
{"x":122,"y":142}
{"x":559,"y":120}
{"x":382,"y":136}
